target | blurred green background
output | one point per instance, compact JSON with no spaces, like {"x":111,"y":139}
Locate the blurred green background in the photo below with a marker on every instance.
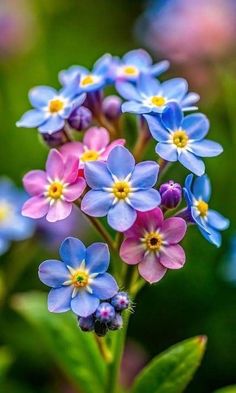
{"x":195,"y":300}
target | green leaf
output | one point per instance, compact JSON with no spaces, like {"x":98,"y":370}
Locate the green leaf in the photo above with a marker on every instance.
{"x":171,"y":371}
{"x":5,"y":362}
{"x":75,"y":352}
{"x":228,"y":389}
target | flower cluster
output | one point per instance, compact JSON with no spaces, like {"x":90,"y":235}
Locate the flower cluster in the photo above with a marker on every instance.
{"x":106,"y":176}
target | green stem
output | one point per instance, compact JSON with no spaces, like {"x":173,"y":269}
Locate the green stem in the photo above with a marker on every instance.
{"x":103,"y":232}
{"x":104,"y":350}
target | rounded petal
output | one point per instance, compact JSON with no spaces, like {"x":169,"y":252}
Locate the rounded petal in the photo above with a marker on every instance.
{"x":84,"y":304}
{"x":213,"y":237}
{"x":59,"y":210}
{"x":145,"y":174}
{"x":172,"y":257}
{"x":121,"y":216}
{"x":104,"y":286}
{"x":52,"y":124}
{"x":72,"y":252}
{"x":96,"y":203}
{"x":160,"y":67}
{"x":55,"y":165}
{"x":53,"y":273}
{"x":32,"y":118}
{"x":174,"y":229}
{"x":96,"y":138}
{"x":146,"y":222}
{"x":59,"y":299}
{"x":167,"y":151}
{"x":117,"y":142}
{"x":40,"y":95}
{"x":120,"y":162}
{"x":191,"y":162}
{"x":217,"y":221}
{"x":202,"y":188}
{"x":196,"y":126}
{"x":72,"y":149}
{"x":206,"y":148}
{"x":74,"y":191}
{"x":137,"y":57}
{"x":145,"y":200}
{"x":132,"y":250}
{"x":97,"y":175}
{"x":97,"y":258}
{"x":175,"y":88}
{"x":35,"y":182}
{"x":151,"y":269}
{"x":147,"y":85}
{"x":135,"y":107}
{"x":156,"y":127}
{"x":172,"y":116}
{"x":128,"y":91}
{"x":35,"y":207}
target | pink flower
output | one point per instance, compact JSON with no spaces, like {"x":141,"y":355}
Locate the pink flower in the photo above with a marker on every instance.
{"x":152,"y":244}
{"x":53,"y":191}
{"x":95,"y":146}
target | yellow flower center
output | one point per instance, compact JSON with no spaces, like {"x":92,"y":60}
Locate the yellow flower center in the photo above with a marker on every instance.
{"x":202,"y":208}
{"x":121,"y":189}
{"x":153,"y":241}
{"x":4,"y":211}
{"x":130,"y":70}
{"x":80,"y":278}
{"x":55,"y":190}
{"x":87,"y":80}
{"x":89,"y":155}
{"x":180,"y":138}
{"x":158,"y":100}
{"x":56,"y":105}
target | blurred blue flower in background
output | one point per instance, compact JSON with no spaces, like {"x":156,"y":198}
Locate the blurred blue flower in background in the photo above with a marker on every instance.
{"x":228,"y":267}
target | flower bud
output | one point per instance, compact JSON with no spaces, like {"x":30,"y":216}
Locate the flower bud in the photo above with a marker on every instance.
{"x":120,"y":301}
{"x":80,"y":118}
{"x":105,"y":312}
{"x":86,"y":324}
{"x":112,"y":107}
{"x":54,"y":140}
{"x":116,"y":323}
{"x":171,"y":194}
{"x":101,"y":329}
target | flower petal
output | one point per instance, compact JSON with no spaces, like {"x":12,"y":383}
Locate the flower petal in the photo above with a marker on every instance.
{"x":128,"y":91}
{"x":174,"y":229}
{"x":74,"y":191}
{"x":104,"y":286}
{"x":84,"y":304}
{"x":151,"y":269}
{"x":72,"y":252}
{"x":97,"y":175}
{"x":145,"y":200}
{"x":52,"y":124}
{"x":148,"y":221}
{"x":156,"y":127}
{"x":71,"y":169}
{"x":167,"y":151}
{"x":53,"y":273}
{"x":39,"y":96}
{"x":121,"y":216}
{"x":196,"y":126}
{"x":32,"y":118}
{"x":97,"y":258}
{"x":59,"y":210}
{"x":206,"y":148}
{"x":160,"y":67}
{"x":72,"y":149}
{"x":172,"y":116}
{"x":175,"y":88}
{"x":59,"y":299}
{"x":191,"y":162}
{"x":214,"y":237}
{"x":217,"y":221}
{"x":132,"y":250}
{"x":138,"y":57}
{"x":120,"y":162}
{"x":147,"y":85}
{"x":34,"y":182}
{"x":117,"y":142}
{"x":145,"y":174}
{"x":202,"y":188}
{"x":96,"y":138}
{"x":172,"y":257}
{"x":35,"y":207}
{"x":55,"y":165}
{"x":96,"y":203}
{"x":135,"y":107}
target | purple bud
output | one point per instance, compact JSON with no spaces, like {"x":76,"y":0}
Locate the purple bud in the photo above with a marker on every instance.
{"x":171,"y":194}
{"x":101,"y":329}
{"x":86,"y":324}
{"x":116,"y":323}
{"x":80,"y":118}
{"x":112,"y":107}
{"x":105,"y":312}
{"x":120,"y":301}
{"x":54,"y":140}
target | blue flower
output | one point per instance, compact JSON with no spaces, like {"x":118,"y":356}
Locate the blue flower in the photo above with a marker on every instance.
{"x":133,"y":63}
{"x":79,"y":281}
{"x":120,"y":188}
{"x":13,"y":226}
{"x":89,"y":80}
{"x":151,"y":96}
{"x":182,"y":138}
{"x":52,"y":107}
{"x":209,"y":222}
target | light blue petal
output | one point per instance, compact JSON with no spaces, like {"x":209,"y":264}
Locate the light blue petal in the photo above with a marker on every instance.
{"x":128,"y":91}
{"x":120,"y":162}
{"x":121,"y":216}
{"x":200,"y":221}
{"x":175,"y":88}
{"x":206,"y":148}
{"x":202,"y":188}
{"x":138,"y":57}
{"x":145,"y":174}
{"x":104,"y":286}
{"x":53,"y":273}
{"x":68,"y":76}
{"x":84,"y":304}
{"x":135,"y":107}
{"x":59,"y":299}
{"x":145,"y":200}
{"x":40,"y":95}
{"x":217,"y":221}
{"x":160,"y":67}
{"x":148,"y":86}
{"x":167,"y":151}
{"x":156,"y":127}
{"x":102,"y":65}
{"x":97,"y":258}
{"x":172,"y":116}
{"x":4,"y":246}
{"x":72,"y":252}
{"x":32,"y":118}
{"x":196,"y":126}
{"x":23,"y":228}
{"x":97,"y":203}
{"x":54,"y":123}
{"x":190,"y":99}
{"x":97,"y":175}
{"x":213,"y":237}
{"x":191,"y":162}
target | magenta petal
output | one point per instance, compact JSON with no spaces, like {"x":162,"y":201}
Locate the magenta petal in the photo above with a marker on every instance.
{"x":55,"y":165}
{"x":172,"y":257}
{"x":71,"y":168}
{"x":34,"y":182}
{"x":73,"y":191}
{"x":173,"y":229}
{"x":59,"y":210}
{"x":72,"y":149}
{"x":96,"y":138}
{"x":146,"y":221}
{"x":131,"y":251}
{"x":151,"y":269}
{"x":35,"y":207}
{"x":111,"y":146}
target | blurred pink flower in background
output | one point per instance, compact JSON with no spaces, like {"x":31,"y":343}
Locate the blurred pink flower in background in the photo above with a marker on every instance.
{"x":134,"y":360}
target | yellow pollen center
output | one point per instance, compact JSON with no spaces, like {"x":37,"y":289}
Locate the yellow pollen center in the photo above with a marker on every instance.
{"x":153,"y":241}
{"x":180,"y":138}
{"x":56,"y":105}
{"x":158,"y":100}
{"x":55,"y":190}
{"x":80,"y":279}
{"x":87,"y":80}
{"x":4,"y":211}
{"x":130,"y":70}
{"x":202,"y":208}
{"x":121,"y":189}
{"x":89,"y":155}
